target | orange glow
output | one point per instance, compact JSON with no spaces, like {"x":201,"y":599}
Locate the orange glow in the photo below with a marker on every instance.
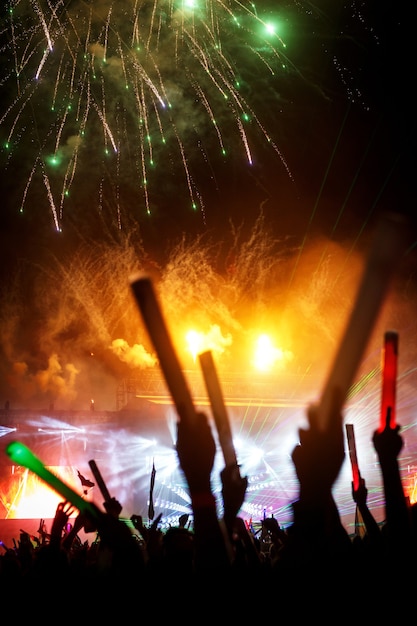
{"x":28,"y":497}
{"x":195,"y":343}
{"x":266,"y":355}
{"x":212,"y":340}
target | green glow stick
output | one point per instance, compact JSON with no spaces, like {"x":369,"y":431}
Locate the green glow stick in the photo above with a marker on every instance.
{"x":22,"y":455}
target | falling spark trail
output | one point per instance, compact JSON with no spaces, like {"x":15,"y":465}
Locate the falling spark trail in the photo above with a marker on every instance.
{"x":157,"y":75}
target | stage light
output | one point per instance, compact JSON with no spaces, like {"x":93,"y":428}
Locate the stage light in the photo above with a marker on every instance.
{"x":266,"y":354}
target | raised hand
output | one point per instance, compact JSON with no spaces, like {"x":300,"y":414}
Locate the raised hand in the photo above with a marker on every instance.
{"x":320,"y":454}
{"x":233,"y":491}
{"x":64,"y":511}
{"x":196,"y":450}
{"x":113,"y":507}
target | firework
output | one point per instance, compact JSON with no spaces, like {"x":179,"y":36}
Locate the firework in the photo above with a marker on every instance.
{"x":133,"y":93}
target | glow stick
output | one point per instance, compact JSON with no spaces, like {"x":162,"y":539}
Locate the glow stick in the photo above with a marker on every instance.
{"x":23,"y":456}
{"x":350,"y":433}
{"x":389,"y":380}
{"x":389,"y":245}
{"x":218,"y":407}
{"x":147,"y":301}
{"x":99,"y":479}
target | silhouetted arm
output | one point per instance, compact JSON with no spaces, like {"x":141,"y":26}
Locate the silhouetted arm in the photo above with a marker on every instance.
{"x":317,"y":534}
{"x":360,"y":496}
{"x":388,"y":444}
{"x":196,"y":451}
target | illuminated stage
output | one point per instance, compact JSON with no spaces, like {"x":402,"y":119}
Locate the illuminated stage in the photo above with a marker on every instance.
{"x":126,"y":443}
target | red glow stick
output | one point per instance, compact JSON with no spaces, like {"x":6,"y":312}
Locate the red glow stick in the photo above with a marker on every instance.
{"x":147,"y":301}
{"x":389,"y":380}
{"x":356,"y":475}
{"x":218,"y":407}
{"x":389,"y":245}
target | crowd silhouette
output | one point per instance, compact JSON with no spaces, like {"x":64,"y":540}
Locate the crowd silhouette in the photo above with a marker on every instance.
{"x":213,"y":566}
{"x":314,"y":559}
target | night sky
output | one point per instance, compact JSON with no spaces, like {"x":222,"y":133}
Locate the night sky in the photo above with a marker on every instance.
{"x":337,"y":109}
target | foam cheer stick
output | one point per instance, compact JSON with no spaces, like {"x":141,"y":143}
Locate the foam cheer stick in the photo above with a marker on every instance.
{"x":389,"y":244}
{"x":356,"y":475}
{"x":389,"y":380}
{"x":218,"y":407}
{"x":22,"y":455}
{"x":100,"y":481}
{"x":147,"y":301}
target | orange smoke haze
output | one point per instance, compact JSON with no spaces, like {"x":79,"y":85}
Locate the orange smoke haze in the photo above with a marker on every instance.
{"x":81,"y":333}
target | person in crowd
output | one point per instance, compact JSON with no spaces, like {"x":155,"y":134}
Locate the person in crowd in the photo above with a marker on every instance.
{"x":314,"y":555}
{"x":196,"y":451}
{"x":368,"y":538}
{"x":388,"y":444}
